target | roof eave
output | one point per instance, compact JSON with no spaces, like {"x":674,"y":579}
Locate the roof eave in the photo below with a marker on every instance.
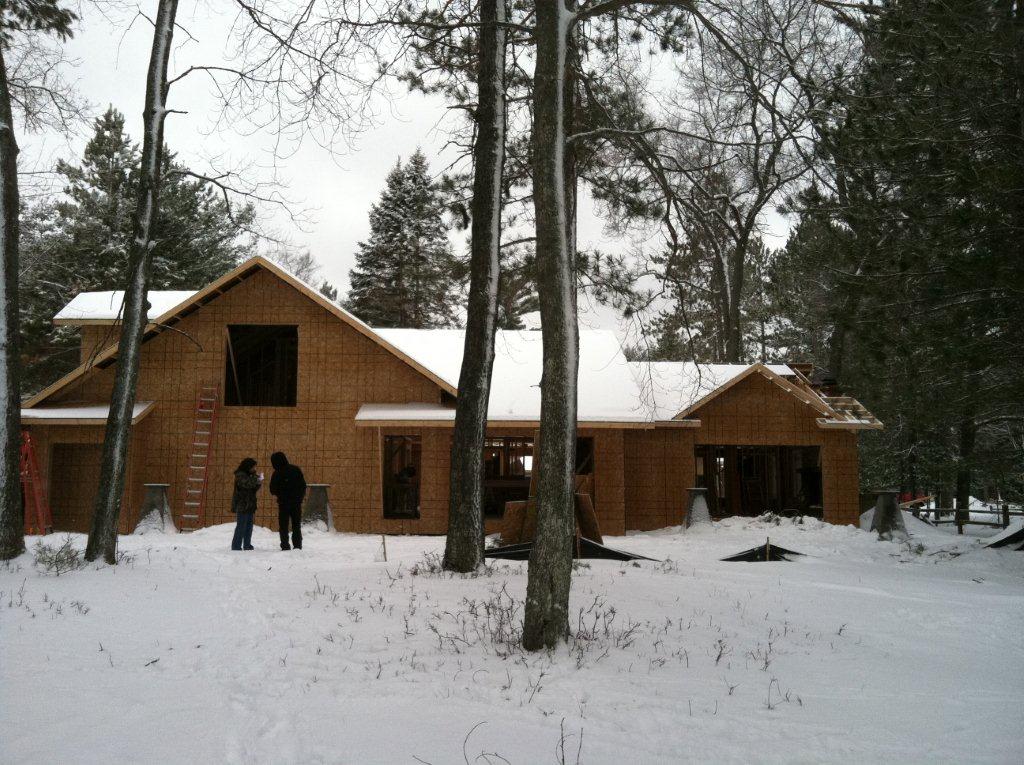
{"x":829,"y":424}
{"x":54,"y":421}
{"x":386,"y":422}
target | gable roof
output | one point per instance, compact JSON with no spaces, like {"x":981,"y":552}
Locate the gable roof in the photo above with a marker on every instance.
{"x":213,"y":290}
{"x":772,"y":375}
{"x":674,"y":389}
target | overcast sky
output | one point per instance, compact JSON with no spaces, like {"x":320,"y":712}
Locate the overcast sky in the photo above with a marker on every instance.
{"x":335,"y":189}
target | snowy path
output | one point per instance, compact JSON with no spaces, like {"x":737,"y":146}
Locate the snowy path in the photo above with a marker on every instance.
{"x":860,"y":652}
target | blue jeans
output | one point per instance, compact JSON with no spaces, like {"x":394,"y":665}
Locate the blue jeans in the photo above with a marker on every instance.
{"x":243,"y":531}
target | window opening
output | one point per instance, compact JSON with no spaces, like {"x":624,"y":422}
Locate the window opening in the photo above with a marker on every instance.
{"x":261,"y":368}
{"x":584,"y":456}
{"x":401,"y":476}
{"x":507,"y":468}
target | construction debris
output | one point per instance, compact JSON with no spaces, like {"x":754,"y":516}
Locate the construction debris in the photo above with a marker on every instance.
{"x":1012,"y":536}
{"x":762,"y":553}
{"x":582,"y":548}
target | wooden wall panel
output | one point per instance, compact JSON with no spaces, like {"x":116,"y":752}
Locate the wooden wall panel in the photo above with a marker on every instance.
{"x":57,"y":450}
{"x":609,"y":484}
{"x":95,"y":338}
{"x":73,"y":489}
{"x":339,"y":369}
{"x":658,"y":470}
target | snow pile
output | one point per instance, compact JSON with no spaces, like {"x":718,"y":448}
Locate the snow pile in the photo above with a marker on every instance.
{"x":188,"y":652}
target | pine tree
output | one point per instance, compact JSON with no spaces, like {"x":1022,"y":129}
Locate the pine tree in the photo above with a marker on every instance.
{"x":80,"y":242}
{"x":16,"y":18}
{"x":406,"y":274}
{"x":910,"y":262}
{"x":517,"y":289}
{"x":329,"y":291}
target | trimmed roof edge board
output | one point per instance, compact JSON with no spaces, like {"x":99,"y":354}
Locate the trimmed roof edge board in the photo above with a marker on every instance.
{"x":840,"y":424}
{"x":80,"y":415}
{"x":429,"y":415}
{"x":238,"y":274}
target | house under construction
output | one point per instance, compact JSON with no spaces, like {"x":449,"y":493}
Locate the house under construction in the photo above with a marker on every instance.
{"x":258,"y":362}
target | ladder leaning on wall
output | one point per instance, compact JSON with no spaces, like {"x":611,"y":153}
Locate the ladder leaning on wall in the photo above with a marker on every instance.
{"x":200,"y":449}
{"x":38,"y":517}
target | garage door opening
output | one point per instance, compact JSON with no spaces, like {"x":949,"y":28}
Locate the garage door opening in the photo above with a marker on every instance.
{"x":751,"y":480}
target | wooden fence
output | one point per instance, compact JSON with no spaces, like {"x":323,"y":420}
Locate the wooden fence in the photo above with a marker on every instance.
{"x":961,"y":518}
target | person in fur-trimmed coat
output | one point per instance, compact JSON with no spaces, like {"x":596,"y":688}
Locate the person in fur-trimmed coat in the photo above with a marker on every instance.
{"x":243,"y":503}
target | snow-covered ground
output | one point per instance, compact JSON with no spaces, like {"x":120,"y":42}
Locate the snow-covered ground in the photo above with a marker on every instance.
{"x":861,"y":651}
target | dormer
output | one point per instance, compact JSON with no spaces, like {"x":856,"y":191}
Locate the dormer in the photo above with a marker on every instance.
{"x":98,"y":316}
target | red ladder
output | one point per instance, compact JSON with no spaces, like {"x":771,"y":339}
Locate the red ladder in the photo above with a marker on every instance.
{"x":38,"y":518}
{"x":193,"y":515}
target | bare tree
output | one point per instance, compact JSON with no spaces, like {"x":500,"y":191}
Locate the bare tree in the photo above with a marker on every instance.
{"x":550,"y":567}
{"x":16,"y":17}
{"x":103,"y":535}
{"x":464,"y":545}
{"x":300,"y":263}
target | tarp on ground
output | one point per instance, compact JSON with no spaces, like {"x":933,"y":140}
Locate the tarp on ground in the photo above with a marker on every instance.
{"x":761,"y":554}
{"x":1008,"y":537}
{"x":586,"y":548}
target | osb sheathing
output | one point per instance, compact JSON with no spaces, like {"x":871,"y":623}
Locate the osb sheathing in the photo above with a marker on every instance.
{"x":339,"y":369}
{"x":96,"y":338}
{"x":660,"y":464}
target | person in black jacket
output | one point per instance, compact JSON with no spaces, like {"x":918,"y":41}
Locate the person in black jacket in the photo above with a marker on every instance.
{"x":243,"y":503}
{"x":289,"y":486}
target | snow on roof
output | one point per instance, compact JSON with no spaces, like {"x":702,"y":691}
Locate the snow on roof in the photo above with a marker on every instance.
{"x":421,"y":412}
{"x":106,"y":306}
{"x":606,"y":390}
{"x":82,"y":414}
{"x":611,"y":389}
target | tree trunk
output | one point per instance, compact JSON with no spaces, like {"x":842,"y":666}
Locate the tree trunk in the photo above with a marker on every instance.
{"x":103,"y":536}
{"x":12,"y":522}
{"x":464,"y":548}
{"x":963,"y":470}
{"x":734,"y":318}
{"x":550,"y":568}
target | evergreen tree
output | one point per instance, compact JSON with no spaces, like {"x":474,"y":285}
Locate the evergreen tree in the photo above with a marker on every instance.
{"x":908,"y":271}
{"x":329,"y":291}
{"x":17,"y":17}
{"x":79,"y":242}
{"x":517,"y":289}
{"x":406,"y":274}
